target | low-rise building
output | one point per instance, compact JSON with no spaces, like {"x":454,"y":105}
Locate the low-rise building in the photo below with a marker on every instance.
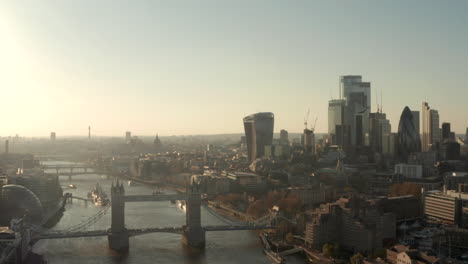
{"x":400,"y":254}
{"x":314,"y":194}
{"x":355,"y":223}
{"x":453,"y":179}
{"x":409,"y":171}
{"x":443,"y":208}
{"x":248,"y":182}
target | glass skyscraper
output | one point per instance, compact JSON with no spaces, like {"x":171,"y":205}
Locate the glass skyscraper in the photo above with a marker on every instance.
{"x":357,"y":95}
{"x":431,"y":129}
{"x":408,"y":138}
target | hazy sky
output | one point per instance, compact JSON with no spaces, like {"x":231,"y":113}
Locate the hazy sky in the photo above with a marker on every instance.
{"x":198,"y":67}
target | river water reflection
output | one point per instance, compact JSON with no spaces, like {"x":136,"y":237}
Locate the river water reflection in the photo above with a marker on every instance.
{"x":221,"y":247}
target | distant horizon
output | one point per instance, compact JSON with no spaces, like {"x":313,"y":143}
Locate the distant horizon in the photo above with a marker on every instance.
{"x":162,"y":136}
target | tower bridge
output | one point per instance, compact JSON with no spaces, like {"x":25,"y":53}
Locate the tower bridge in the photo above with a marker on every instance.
{"x":193,"y":233}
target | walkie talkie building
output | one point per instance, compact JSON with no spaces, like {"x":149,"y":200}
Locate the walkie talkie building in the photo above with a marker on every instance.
{"x":258,"y":133}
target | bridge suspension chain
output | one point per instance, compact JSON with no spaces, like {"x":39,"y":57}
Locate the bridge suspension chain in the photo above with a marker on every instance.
{"x":85,"y":224}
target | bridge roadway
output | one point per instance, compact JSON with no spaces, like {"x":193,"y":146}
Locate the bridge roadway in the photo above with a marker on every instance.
{"x":143,"y":231}
{"x":155,"y":198}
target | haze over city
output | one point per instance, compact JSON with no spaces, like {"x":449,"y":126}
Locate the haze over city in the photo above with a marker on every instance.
{"x":189,"y":67}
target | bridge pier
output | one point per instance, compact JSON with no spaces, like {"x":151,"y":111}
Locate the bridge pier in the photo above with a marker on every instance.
{"x":118,"y":236}
{"x":194,"y":235}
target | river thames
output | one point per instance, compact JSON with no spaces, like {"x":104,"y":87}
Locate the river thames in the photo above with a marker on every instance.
{"x":221,"y":247}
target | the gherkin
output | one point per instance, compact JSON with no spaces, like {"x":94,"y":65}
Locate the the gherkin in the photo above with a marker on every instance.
{"x":408,"y":137}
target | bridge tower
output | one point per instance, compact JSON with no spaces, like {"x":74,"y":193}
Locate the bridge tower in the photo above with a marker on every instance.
{"x":194,"y":235}
{"x":118,"y":236}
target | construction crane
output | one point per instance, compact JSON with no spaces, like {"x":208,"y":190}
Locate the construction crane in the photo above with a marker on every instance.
{"x":315,"y":123}
{"x":306,"y":118}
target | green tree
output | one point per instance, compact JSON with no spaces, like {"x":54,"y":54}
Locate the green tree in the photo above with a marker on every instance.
{"x":357,"y":258}
{"x":327,"y":250}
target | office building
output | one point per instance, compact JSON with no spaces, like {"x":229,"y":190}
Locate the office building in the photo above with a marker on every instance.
{"x":431,"y":130}
{"x":258,"y":133}
{"x":308,"y":141}
{"x":246,"y":182}
{"x":453,"y":180}
{"x":449,"y":150}
{"x":379,"y":128}
{"x":128,"y":137}
{"x":408,"y":138}
{"x":445,"y":131}
{"x":416,"y":121}
{"x":335,"y":116}
{"x":284,"y":139}
{"x":389,"y":144}
{"x":409,"y":171}
{"x":89,"y":132}
{"x":443,"y":208}
{"x":7,"y":146}
{"x":354,"y":223}
{"x":357,"y":96}
{"x":426,"y":159}
{"x":466,"y":136}
{"x":52,"y":136}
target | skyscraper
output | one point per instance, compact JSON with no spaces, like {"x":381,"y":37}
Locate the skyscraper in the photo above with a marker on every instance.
{"x":431,"y":130}
{"x":357,"y":95}
{"x":52,"y":136}
{"x":445,"y":131}
{"x":284,"y":138}
{"x":258,"y":133}
{"x":89,"y":132}
{"x":335,"y":116}
{"x":128,"y":136}
{"x":308,"y":141}
{"x":379,"y":128}
{"x":466,"y":136}
{"x":408,"y":139}
{"x":416,"y":120}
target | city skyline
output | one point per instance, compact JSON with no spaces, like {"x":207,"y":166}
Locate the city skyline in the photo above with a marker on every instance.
{"x":138,"y":68}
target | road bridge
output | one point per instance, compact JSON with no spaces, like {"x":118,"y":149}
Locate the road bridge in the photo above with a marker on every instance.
{"x":118,"y":234}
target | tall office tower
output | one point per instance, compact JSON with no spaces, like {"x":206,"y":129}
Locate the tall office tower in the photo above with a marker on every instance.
{"x":357,"y":95}
{"x":435,"y":127}
{"x":7,"y":146}
{"x":258,"y":133}
{"x":408,"y":138}
{"x":335,"y":116}
{"x":128,"y":136}
{"x":89,"y":132}
{"x":343,"y":136}
{"x":284,"y":138}
{"x":379,"y":126}
{"x":308,"y":141}
{"x":445,"y":131}
{"x":466,"y":136}
{"x":431,"y":130}
{"x":416,"y":120}
{"x":52,"y":136}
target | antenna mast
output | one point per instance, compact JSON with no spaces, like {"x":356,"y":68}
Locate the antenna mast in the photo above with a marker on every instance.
{"x":381,"y":101}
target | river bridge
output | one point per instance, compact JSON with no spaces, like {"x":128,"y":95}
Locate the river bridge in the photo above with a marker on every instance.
{"x":71,"y":169}
{"x":193,"y":233}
